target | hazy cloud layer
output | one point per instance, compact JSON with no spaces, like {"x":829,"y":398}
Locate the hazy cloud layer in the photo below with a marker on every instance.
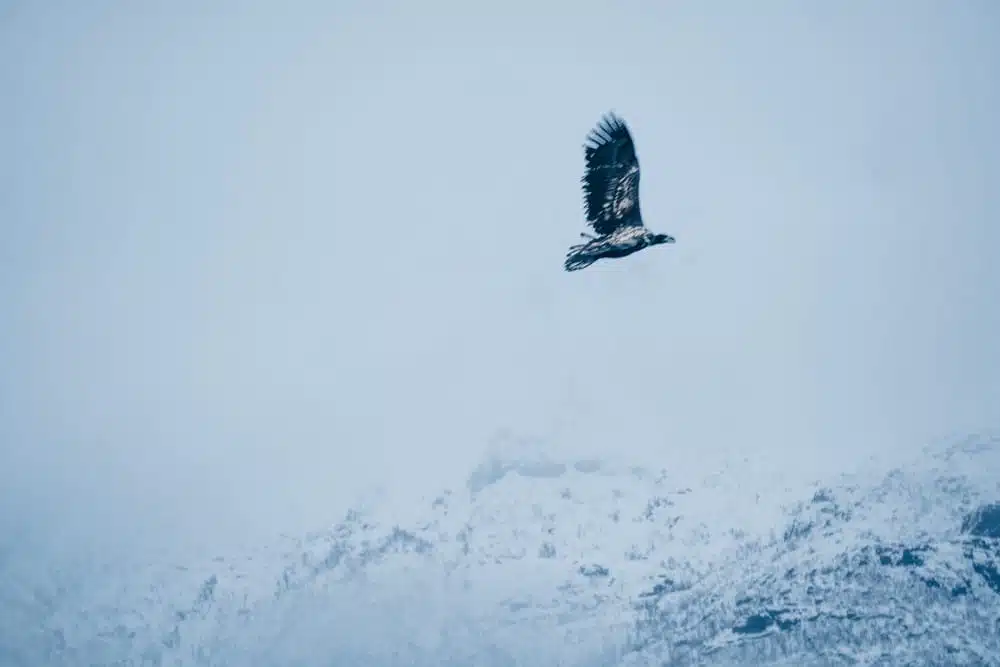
{"x":256,"y":258}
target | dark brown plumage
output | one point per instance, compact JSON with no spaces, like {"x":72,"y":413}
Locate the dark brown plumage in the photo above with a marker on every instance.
{"x":611,"y":197}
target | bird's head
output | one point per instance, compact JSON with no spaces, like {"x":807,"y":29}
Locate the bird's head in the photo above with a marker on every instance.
{"x":661,"y":238}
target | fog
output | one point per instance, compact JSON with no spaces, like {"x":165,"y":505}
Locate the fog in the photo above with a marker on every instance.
{"x":258,"y":259}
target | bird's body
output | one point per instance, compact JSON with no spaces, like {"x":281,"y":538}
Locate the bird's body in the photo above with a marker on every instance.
{"x":620,"y":243}
{"x":611,"y":198}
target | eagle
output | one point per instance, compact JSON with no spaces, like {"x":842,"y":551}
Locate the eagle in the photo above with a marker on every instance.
{"x":611,"y":197}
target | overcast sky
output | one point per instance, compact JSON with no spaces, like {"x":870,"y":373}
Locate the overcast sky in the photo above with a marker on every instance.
{"x":259,"y":255}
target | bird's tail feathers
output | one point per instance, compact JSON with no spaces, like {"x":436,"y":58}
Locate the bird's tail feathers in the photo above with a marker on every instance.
{"x":578,"y":258}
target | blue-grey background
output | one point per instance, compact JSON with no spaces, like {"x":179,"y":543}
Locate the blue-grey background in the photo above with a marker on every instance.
{"x":257,"y":257}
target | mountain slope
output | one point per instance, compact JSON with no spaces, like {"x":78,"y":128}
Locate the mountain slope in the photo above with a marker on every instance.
{"x":544,"y":562}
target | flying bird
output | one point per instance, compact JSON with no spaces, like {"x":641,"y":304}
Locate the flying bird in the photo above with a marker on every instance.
{"x":611,"y":198}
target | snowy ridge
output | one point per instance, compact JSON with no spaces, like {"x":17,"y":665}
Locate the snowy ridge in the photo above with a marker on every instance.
{"x":536,"y":561}
{"x":901,"y":571}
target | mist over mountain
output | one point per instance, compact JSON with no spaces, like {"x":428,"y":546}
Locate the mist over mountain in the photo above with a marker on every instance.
{"x":539,"y":561}
{"x":291,"y":372}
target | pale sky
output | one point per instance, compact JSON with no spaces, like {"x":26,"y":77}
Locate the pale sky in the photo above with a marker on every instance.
{"x":260,"y":255}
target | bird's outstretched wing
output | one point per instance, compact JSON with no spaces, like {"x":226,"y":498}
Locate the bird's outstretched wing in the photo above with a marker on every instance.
{"x":611,"y":178}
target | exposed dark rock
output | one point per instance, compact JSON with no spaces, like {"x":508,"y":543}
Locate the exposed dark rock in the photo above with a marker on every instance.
{"x":984,"y":522}
{"x":594,"y":571}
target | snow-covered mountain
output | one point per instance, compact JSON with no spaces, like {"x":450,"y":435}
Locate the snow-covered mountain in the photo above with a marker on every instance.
{"x":538,"y":561}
